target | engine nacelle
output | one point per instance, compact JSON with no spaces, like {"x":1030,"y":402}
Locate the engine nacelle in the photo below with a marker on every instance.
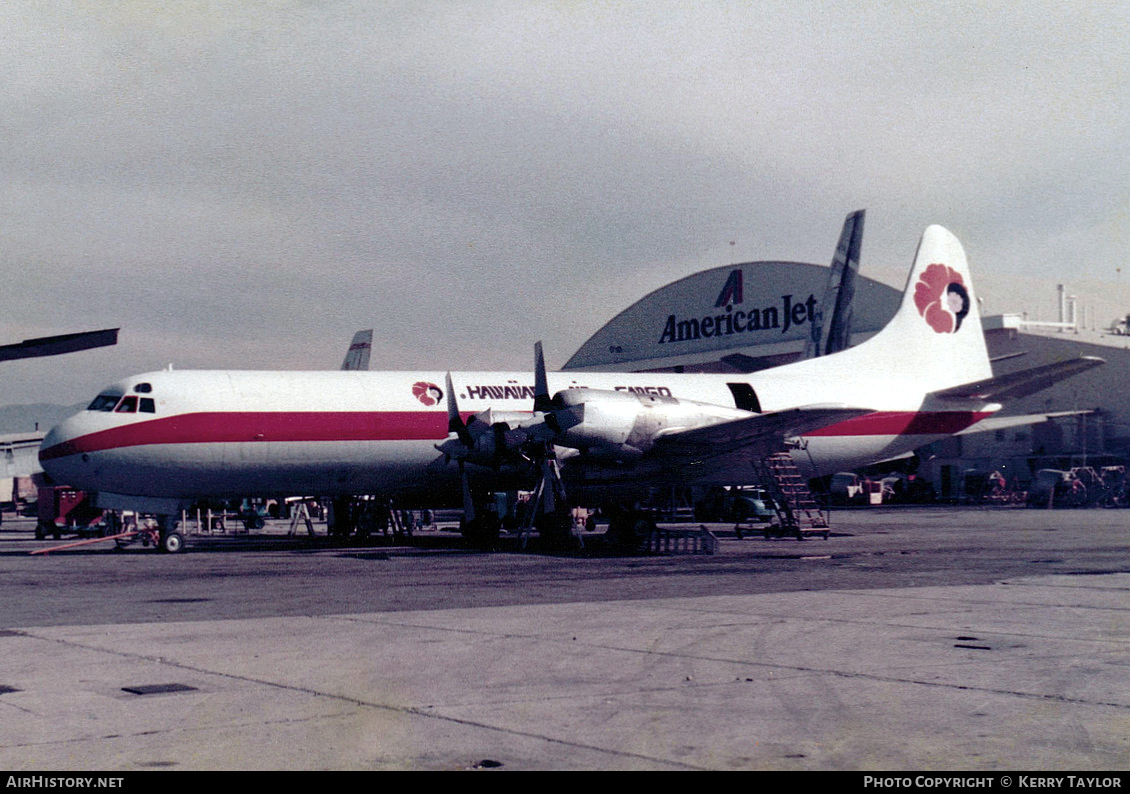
{"x":494,"y":435}
{"x":624,"y":425}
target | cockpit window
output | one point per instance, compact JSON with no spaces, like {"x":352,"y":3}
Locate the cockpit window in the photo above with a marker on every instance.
{"x":128,"y":405}
{"x":143,"y":388}
{"x":104,"y":402}
{"x":147,"y":406}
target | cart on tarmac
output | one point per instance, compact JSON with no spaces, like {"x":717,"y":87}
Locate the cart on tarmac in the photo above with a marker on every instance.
{"x":63,"y":509}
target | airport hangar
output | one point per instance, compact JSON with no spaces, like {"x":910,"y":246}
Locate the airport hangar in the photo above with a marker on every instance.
{"x":755,"y":315}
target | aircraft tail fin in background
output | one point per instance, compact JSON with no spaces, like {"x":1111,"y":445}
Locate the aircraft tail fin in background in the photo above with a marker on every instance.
{"x":831,"y":332}
{"x":359,"y":349}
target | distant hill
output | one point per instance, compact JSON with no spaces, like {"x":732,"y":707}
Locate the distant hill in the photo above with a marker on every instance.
{"x":23,"y":418}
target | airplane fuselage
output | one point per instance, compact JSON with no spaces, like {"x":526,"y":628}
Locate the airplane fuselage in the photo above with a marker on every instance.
{"x":197,"y":434}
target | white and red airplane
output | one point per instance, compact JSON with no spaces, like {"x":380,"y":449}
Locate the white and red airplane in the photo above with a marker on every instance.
{"x":157,"y":441}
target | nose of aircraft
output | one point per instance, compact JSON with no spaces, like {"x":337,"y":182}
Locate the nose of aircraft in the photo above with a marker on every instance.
{"x":58,"y":451}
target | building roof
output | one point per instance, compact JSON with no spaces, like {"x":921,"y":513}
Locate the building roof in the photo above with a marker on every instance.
{"x":741,"y":314}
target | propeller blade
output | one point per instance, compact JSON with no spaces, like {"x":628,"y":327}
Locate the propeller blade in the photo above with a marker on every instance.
{"x":454,"y":420}
{"x":542,"y":400}
{"x":468,"y":502}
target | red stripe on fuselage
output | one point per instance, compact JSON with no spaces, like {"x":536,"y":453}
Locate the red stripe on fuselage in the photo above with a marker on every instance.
{"x":255,"y":426}
{"x":904,"y":423}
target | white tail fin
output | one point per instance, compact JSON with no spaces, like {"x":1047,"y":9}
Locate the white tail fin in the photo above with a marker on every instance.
{"x":936,"y":333}
{"x":933,"y":342}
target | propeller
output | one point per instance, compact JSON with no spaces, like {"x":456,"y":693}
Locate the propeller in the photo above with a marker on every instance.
{"x":455,"y":422}
{"x":481,"y":439}
{"x":543,"y":403}
{"x":464,"y":437}
{"x":550,"y":489}
{"x":489,"y":439}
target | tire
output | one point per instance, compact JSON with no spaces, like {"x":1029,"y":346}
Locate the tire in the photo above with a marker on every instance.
{"x":172,"y":543}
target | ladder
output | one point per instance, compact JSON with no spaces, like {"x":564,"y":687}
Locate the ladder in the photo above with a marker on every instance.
{"x":300,"y":512}
{"x":400,"y":528}
{"x":798,"y":514}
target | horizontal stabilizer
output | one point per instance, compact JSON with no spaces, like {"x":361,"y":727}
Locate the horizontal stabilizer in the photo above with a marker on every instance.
{"x":1019,"y":384}
{"x":1005,"y":422}
{"x":1007,"y":356}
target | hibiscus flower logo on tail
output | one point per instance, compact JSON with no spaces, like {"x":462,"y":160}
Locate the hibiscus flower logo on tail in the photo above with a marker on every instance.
{"x":427,"y":393}
{"x":941,"y":298}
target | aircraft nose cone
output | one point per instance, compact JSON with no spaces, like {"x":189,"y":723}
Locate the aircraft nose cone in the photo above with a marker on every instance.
{"x":49,"y":446}
{"x":57,"y":451}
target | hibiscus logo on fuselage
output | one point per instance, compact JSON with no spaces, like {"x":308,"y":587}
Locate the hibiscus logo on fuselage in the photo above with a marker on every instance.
{"x":427,"y":393}
{"x":942,"y":298}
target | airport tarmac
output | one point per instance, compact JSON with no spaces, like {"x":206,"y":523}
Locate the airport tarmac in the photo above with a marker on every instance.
{"x":913,"y":639}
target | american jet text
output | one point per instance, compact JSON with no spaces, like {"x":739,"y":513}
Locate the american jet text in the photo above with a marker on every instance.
{"x":740,"y":321}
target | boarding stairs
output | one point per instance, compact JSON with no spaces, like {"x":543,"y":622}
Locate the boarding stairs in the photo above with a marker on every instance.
{"x":798,"y":513}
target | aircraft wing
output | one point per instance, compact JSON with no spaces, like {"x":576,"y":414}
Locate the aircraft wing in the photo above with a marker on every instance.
{"x":54,"y":345}
{"x":1019,"y":384}
{"x":758,"y":434}
{"x":19,"y":454}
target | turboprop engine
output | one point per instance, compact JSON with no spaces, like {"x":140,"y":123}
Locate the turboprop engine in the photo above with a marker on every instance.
{"x":489,"y":438}
{"x":622,"y":426}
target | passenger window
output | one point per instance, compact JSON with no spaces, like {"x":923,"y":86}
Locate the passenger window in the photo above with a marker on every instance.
{"x":128,"y":405}
{"x":148,"y":406}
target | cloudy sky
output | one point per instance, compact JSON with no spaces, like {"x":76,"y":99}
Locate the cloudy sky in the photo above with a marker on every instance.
{"x":245,"y":184}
